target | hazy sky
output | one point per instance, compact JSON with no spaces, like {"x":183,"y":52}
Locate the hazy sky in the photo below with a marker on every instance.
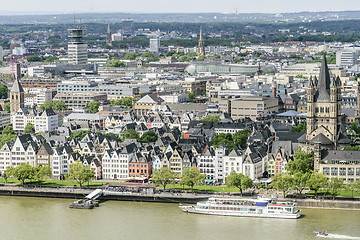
{"x":185,"y":6}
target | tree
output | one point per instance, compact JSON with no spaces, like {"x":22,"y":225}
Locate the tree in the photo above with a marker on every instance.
{"x":334,"y":185}
{"x":223,"y":138}
{"x":303,"y":162}
{"x":112,"y":135}
{"x":5,"y":176}
{"x":115,"y":63}
{"x":282,"y":183}
{"x":163,"y":176}
{"x":8,"y":130}
{"x":240,"y":137}
{"x":79,"y":135}
{"x":80,"y":173}
{"x":130,"y":134}
{"x":93,"y":106}
{"x":211,"y":119}
{"x":191,"y":96}
{"x":7,"y":107}
{"x":41,"y":172}
{"x":300,"y":181}
{"x":22,"y":172}
{"x":352,"y":148}
{"x":7,"y":135}
{"x":353,"y":187}
{"x":317,"y":181}
{"x":127,"y":102}
{"x":201,"y":58}
{"x":58,"y":105}
{"x":301,"y":127}
{"x":192,"y":176}
{"x":240,"y":181}
{"x":3,"y":91}
{"x":46,"y":105}
{"x":148,"y":137}
{"x":29,"y":128}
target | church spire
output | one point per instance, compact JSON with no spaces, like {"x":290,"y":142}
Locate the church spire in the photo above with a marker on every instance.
{"x":201,"y":48}
{"x":324,"y":82}
{"x":108,"y":36}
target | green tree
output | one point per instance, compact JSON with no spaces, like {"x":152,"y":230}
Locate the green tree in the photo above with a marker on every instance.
{"x":282,"y":183}
{"x":22,"y":172}
{"x":163,"y":176}
{"x":7,"y":107}
{"x":58,"y":105}
{"x":301,"y":127}
{"x":300,"y":181}
{"x":51,"y":59}
{"x":352,"y":148}
{"x":5,"y":176}
{"x":129,"y":134}
{"x":46,"y":105}
{"x":353,"y":187}
{"x":131,"y":56}
{"x":115,"y":63}
{"x":127,"y":102}
{"x":201,"y":58}
{"x":80,"y":173}
{"x":148,"y":137}
{"x":34,"y":59}
{"x":240,"y":137}
{"x":223,"y":138}
{"x":79,"y":135}
{"x":3,"y":91}
{"x":93,"y":106}
{"x":191,"y":96}
{"x":211,"y":119}
{"x":29,"y":128}
{"x":334,"y":186}
{"x":240,"y":181}
{"x":7,"y":135}
{"x":112,"y":135}
{"x":303,"y":162}
{"x":185,"y":58}
{"x":316,"y":182}
{"x":191,"y":177}
{"x":41,"y":172}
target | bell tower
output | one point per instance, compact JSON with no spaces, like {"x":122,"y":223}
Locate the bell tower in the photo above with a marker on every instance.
{"x":16,"y":97}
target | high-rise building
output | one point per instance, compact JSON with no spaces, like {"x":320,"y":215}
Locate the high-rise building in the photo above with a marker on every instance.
{"x":77,"y":48}
{"x":201,"y":47}
{"x":108,"y":36}
{"x":16,"y":97}
{"x":127,"y":27}
{"x":154,"y":45}
{"x":346,"y":58}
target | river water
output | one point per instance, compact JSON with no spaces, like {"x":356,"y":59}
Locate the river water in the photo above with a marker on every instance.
{"x":46,"y":219}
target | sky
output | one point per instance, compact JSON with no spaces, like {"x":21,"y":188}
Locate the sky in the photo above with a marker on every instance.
{"x":175,"y":6}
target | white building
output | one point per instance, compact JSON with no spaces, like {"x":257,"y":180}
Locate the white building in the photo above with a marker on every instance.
{"x":346,"y":58}
{"x":154,"y":45}
{"x":46,"y":121}
{"x":175,"y":98}
{"x":233,"y":162}
{"x":77,"y":48}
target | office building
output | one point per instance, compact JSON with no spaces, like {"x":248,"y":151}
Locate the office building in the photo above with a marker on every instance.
{"x":127,"y":27}
{"x":346,"y":58}
{"x":77,"y":48}
{"x":78,"y":101}
{"x":154,"y":45}
{"x":253,"y":107}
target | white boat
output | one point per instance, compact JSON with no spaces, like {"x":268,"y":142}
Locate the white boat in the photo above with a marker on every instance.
{"x":266,"y":208}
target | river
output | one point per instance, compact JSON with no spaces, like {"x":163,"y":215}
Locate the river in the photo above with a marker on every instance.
{"x":24,"y":218}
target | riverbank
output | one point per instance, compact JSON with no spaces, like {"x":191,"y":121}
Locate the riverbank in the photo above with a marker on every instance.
{"x":184,"y":198}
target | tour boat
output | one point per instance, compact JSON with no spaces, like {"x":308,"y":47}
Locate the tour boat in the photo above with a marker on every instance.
{"x":266,"y":208}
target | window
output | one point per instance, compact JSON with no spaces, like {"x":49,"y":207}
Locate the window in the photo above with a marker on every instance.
{"x":334,"y":171}
{"x":326,"y":171}
{"x":351,"y":171}
{"x":342,"y":171}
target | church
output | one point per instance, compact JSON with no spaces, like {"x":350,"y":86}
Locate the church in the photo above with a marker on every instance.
{"x":324,"y":121}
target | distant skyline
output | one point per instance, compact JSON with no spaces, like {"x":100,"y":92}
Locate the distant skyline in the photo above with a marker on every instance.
{"x":172,"y":6}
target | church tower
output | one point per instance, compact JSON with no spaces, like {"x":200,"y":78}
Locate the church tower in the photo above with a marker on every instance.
{"x":201,"y":48}
{"x":323,"y":122}
{"x":16,"y":97}
{"x":108,"y":36}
